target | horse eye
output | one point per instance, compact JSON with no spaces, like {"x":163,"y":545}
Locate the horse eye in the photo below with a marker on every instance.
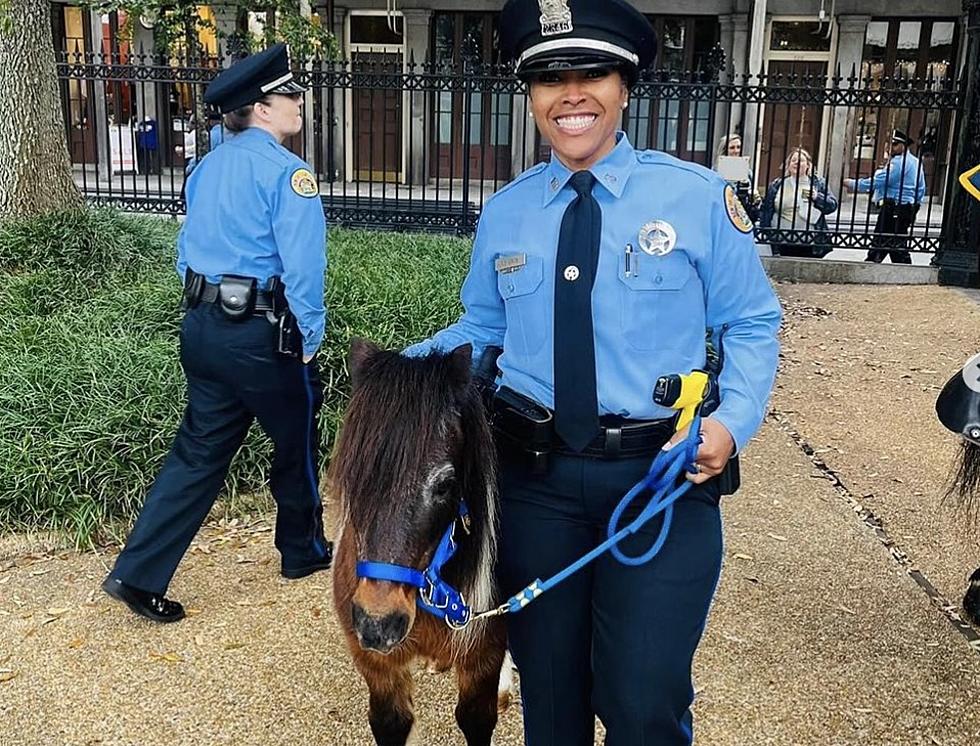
{"x":444,"y":488}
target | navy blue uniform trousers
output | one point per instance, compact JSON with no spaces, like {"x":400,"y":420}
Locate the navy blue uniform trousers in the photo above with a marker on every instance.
{"x":234,"y":376}
{"x":612,"y":640}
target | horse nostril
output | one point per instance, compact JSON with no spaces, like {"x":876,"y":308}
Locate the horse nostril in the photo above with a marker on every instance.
{"x":394,"y":627}
{"x":379,"y":633}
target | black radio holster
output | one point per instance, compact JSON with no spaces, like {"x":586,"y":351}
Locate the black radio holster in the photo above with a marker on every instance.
{"x":193,"y":289}
{"x":524,"y":427}
{"x":237,"y":296}
{"x":289,"y":341}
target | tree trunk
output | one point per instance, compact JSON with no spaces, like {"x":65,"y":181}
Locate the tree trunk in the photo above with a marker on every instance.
{"x":35,"y":169}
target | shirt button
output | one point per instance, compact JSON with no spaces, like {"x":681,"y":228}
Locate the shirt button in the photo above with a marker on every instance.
{"x":659,"y":280}
{"x":510,"y":288}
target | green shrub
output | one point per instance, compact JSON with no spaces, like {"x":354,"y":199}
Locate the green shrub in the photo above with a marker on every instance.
{"x":91,"y":390}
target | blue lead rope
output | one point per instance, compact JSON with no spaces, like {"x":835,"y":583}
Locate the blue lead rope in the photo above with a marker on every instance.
{"x":440,"y":599}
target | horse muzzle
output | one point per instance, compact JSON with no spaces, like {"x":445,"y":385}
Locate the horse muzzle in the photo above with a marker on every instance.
{"x":380,"y":633}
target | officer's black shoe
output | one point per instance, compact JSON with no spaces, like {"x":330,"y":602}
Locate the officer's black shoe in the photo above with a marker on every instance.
{"x":295,"y":573}
{"x":154,"y":607}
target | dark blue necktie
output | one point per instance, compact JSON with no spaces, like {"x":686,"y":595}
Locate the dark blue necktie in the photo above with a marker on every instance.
{"x":576,"y":401}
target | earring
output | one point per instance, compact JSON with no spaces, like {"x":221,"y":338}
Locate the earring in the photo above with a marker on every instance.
{"x":626,"y":104}
{"x":530,"y":114}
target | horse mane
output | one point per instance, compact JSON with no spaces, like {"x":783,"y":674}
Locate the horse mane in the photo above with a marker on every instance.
{"x":398,"y":413}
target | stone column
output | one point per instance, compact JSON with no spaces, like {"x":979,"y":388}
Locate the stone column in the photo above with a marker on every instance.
{"x":334,"y":126}
{"x":756,"y":56}
{"x":851,"y":31}
{"x":417,"y":104}
{"x":99,"y":108}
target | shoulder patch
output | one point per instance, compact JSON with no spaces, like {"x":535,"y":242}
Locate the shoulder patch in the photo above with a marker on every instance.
{"x":304,"y":183}
{"x":971,"y":181}
{"x":736,"y":212}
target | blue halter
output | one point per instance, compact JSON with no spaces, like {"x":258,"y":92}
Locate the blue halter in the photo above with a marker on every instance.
{"x":436,"y":596}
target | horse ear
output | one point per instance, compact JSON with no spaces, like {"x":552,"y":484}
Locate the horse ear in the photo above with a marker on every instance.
{"x":361,"y":350}
{"x":461,"y":360}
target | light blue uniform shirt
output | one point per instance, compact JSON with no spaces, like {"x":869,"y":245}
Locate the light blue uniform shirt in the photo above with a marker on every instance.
{"x":901,"y":180}
{"x":253,"y":210}
{"x":648,"y":322}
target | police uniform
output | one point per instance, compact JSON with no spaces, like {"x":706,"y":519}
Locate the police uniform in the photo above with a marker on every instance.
{"x":675,"y":258}
{"x":252,"y":252}
{"x":900,"y":187}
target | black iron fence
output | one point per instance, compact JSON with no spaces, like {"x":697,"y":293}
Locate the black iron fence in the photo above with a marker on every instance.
{"x":419,"y":147}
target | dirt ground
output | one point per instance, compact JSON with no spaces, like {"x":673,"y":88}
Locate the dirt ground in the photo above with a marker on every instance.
{"x":818,"y":634}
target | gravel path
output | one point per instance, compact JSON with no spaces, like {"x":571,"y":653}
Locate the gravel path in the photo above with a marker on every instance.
{"x":818,"y":635}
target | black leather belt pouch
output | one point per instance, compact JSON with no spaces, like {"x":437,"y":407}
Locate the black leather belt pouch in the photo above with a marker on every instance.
{"x":523,"y":420}
{"x":290,"y":341}
{"x":237,"y":296}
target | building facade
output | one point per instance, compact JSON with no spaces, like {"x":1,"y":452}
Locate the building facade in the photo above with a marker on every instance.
{"x":386,"y":135}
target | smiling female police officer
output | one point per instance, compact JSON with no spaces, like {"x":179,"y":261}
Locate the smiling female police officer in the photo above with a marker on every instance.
{"x":597,"y":273}
{"x":252,"y":252}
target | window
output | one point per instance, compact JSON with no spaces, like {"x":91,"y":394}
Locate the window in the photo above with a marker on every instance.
{"x":799,"y":36}
{"x":672,"y":125}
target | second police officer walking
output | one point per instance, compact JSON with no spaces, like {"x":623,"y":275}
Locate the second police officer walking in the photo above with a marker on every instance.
{"x":901,"y":186}
{"x":252,"y":254}
{"x":598,"y":273}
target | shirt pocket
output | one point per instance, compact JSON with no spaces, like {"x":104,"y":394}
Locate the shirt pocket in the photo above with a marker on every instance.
{"x":656,"y":300}
{"x":523,"y":299}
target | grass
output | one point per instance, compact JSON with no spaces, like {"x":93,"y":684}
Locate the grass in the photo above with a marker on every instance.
{"x":91,"y":390}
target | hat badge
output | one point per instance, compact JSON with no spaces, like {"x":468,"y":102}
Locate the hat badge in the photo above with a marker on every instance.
{"x":657,"y":238}
{"x":556,"y":17}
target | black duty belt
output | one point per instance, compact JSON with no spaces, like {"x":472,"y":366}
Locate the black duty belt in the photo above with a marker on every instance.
{"x":625,"y":439}
{"x":522,"y":423}
{"x":263,"y":298}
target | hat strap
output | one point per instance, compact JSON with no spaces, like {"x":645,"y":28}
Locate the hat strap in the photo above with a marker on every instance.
{"x":578,"y":43}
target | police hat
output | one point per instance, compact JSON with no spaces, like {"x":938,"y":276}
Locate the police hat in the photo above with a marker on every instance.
{"x":543,"y":35}
{"x":252,"y":78}
{"x":900,"y":137}
{"x":958,"y":404}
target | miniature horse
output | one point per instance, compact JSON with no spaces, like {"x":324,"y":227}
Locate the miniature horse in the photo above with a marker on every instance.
{"x":414,"y":443}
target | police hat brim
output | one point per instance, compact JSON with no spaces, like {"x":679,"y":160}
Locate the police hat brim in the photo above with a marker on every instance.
{"x":289,"y":88}
{"x":573,"y":59}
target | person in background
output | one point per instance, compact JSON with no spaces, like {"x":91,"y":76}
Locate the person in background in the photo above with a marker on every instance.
{"x":799,"y":201}
{"x":902,"y":186}
{"x":730,"y":146}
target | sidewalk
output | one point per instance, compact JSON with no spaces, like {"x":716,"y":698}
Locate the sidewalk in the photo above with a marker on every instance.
{"x":818,"y":634}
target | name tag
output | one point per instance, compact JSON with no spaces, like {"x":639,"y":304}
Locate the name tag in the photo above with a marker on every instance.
{"x":510,"y":263}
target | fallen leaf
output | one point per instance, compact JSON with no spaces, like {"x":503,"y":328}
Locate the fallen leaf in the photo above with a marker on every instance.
{"x":192,"y":612}
{"x":76,"y":643}
{"x":57,"y":611}
{"x":316,"y":611}
{"x":234,"y":645}
{"x":199,"y":640}
{"x":751,"y":578}
{"x":777,"y":537}
{"x":849,"y":611}
{"x":49,"y":620}
{"x":41,"y":572}
{"x":170,"y":657}
{"x":7,"y":676}
{"x":740,"y":556}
